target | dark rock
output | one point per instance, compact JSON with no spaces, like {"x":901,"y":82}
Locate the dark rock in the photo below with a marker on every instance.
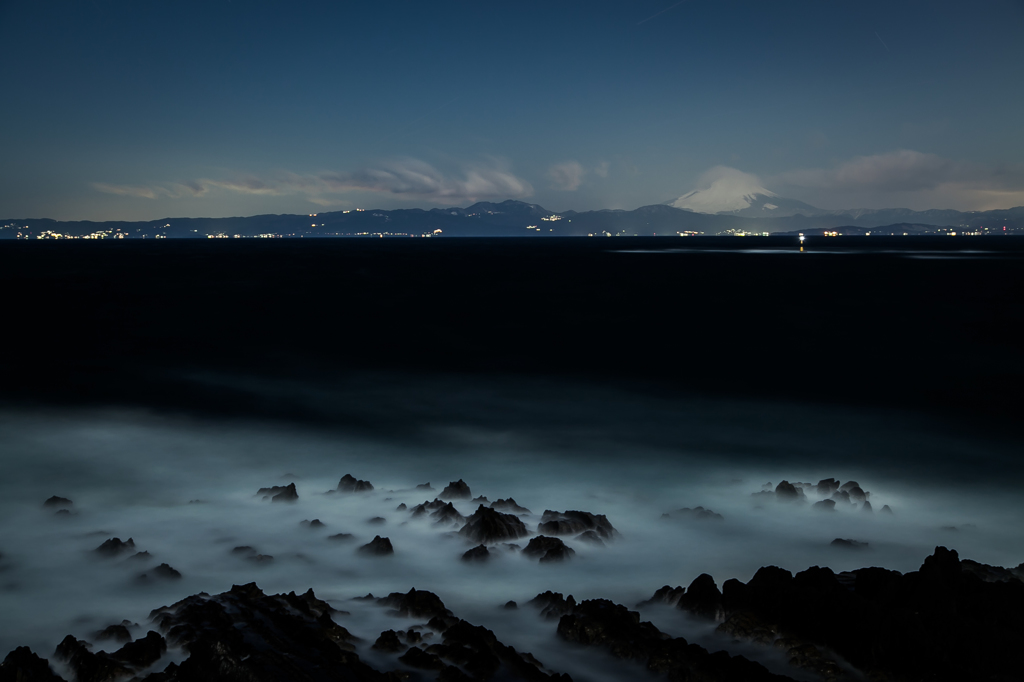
{"x":548,"y":549}
{"x":886,"y":509}
{"x":114,"y":547}
{"x":401,"y":507}
{"x":697,"y":514}
{"x":89,"y":666}
{"x":552,"y":604}
{"x":856,"y":494}
{"x":279,"y":493}
{"x":416,"y":604}
{"x":478,"y":553}
{"x":702,"y":598}
{"x":456,"y":490}
{"x":418,"y":658}
{"x":448,"y":514}
{"x":161,"y":572}
{"x":315,"y":523}
{"x":140,"y":558}
{"x":848,"y":544}
{"x":573,"y":522}
{"x":824,"y":505}
{"x":665,"y":595}
{"x":480,"y":500}
{"x":787,"y":492}
{"x":378,"y":546}
{"x":350,"y":484}
{"x":509,"y":506}
{"x":841,"y":496}
{"x":388,"y":641}
{"x":424,"y":486}
{"x":377,"y":521}
{"x":486,"y":525}
{"x":341,"y":537}
{"x":244,"y":550}
{"x":427,"y":507}
{"x":246,"y":635}
{"x":64,"y":513}
{"x":143,"y":652}
{"x":58,"y":503}
{"x":23,"y":665}
{"x":260,"y":558}
{"x":511,"y":605}
{"x":848,"y":486}
{"x":827,"y":486}
{"x":590,"y":537}
{"x":866,"y":507}
{"x":116,"y":633}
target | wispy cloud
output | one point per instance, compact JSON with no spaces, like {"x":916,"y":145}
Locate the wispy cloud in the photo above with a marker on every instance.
{"x":566,"y":176}
{"x":404,"y":178}
{"x":602,"y":169}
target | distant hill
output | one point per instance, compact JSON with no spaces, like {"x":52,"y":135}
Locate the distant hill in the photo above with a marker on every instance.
{"x":520,"y":219}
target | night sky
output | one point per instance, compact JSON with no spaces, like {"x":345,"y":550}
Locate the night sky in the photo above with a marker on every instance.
{"x":144,"y":109}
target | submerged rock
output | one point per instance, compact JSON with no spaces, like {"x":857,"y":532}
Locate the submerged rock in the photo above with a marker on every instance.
{"x":486,"y":525}
{"x":279,"y":493}
{"x":315,"y":523}
{"x":456,"y":490}
{"x":378,"y":546}
{"x":548,"y":549}
{"x":478,"y":553}
{"x":162,"y":572}
{"x":848,"y":544}
{"x":350,"y":484}
{"x":697,"y":513}
{"x":509,"y":506}
{"x":552,"y":605}
{"x":824,"y":505}
{"x":702,"y":598}
{"x":572,"y":522}
{"x":57,"y":502}
{"x":114,"y":547}
{"x":448,"y":514}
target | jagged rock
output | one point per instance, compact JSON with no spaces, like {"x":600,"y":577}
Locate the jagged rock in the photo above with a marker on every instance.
{"x":401,"y":507}
{"x":140,"y":558}
{"x":416,"y":604}
{"x":552,"y":604}
{"x":114,"y":547}
{"x":279,"y":493}
{"x":697,"y":513}
{"x":117,"y":633}
{"x":827,"y":486}
{"x":787,"y":492}
{"x":162,"y":572}
{"x":377,"y":521}
{"x":350,"y":484}
{"x":476,"y":649}
{"x":56,"y":502}
{"x":388,"y":641}
{"x":702,"y":598}
{"x":23,"y":665}
{"x":510,"y":605}
{"x":478,"y":553}
{"x":480,"y":500}
{"x":341,"y":537}
{"x":315,"y":523}
{"x":572,"y":522}
{"x":848,"y":544}
{"x":590,"y":537}
{"x":612,"y":627}
{"x":992,"y":574}
{"x":143,"y":652}
{"x":548,"y":549}
{"x":486,"y":525}
{"x":824,"y":505}
{"x":509,"y":506}
{"x":89,"y":666}
{"x":427,"y":507}
{"x":664,"y":595}
{"x":448,"y":514}
{"x":456,"y":490}
{"x":424,"y":486}
{"x":416,"y":657}
{"x":246,"y":635}
{"x":378,"y":546}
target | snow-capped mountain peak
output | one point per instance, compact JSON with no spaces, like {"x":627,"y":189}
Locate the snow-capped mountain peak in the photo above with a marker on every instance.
{"x":726,"y":190}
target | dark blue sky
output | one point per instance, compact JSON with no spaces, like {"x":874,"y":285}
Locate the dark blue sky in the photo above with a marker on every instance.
{"x":144,"y":109}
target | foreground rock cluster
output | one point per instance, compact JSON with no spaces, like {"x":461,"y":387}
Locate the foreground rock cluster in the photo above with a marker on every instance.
{"x":950,"y":620}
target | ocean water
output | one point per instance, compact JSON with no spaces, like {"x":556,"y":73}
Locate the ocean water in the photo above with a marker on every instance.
{"x":183,"y":487}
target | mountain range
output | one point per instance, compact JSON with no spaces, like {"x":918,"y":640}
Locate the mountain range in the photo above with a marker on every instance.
{"x":749,"y":212}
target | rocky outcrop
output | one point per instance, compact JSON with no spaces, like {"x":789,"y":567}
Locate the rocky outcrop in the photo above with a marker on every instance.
{"x":23,"y":665}
{"x":695,"y":514}
{"x":378,"y":546}
{"x":509,"y":506}
{"x":57,"y":502}
{"x":350,"y":484}
{"x":478,"y":553}
{"x":416,"y":604}
{"x":548,"y":549}
{"x":279,"y":493}
{"x":848,"y":544}
{"x":667,"y":595}
{"x":486,"y":526}
{"x":574,"y":522}
{"x":448,"y":515}
{"x":114,"y":548}
{"x":620,"y":632}
{"x":456,"y":490}
{"x":161,"y":572}
{"x":427,"y":507}
{"x":552,"y":605}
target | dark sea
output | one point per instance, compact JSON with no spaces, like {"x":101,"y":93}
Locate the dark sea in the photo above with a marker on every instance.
{"x":159,"y":385}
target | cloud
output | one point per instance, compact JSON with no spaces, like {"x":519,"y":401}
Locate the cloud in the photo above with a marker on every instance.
{"x":405,"y":178}
{"x":602,"y":169}
{"x":566,"y":176}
